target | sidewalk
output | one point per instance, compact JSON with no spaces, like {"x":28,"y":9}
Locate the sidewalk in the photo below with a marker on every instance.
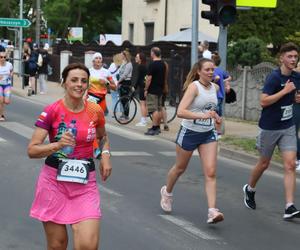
{"x":232,"y":128}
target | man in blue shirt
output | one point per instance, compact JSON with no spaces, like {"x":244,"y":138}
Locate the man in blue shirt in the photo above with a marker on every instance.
{"x":277,"y":128}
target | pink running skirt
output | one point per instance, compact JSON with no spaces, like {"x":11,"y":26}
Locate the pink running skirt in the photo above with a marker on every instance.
{"x":65,"y":202}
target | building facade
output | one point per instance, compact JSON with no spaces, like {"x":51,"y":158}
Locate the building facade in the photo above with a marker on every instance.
{"x":146,"y":20}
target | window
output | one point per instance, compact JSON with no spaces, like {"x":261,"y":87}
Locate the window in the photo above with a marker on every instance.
{"x":131,"y":32}
{"x":149,"y":33}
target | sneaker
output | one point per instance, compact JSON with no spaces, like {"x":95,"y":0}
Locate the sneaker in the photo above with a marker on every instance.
{"x":166,"y":128}
{"x":2,"y":118}
{"x":249,"y":199}
{"x":166,"y":200}
{"x":214,"y":216}
{"x":141,"y":124}
{"x":291,"y":212}
{"x":152,"y":132}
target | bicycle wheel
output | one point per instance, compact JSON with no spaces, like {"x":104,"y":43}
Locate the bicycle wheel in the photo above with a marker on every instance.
{"x":125,"y":110}
{"x":171,"y":112}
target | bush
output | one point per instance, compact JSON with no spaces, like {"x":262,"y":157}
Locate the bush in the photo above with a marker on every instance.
{"x":248,"y":52}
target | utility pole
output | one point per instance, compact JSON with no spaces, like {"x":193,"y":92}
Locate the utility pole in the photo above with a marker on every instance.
{"x":38,"y":23}
{"x":194,"y":48}
{"x":21,"y":44}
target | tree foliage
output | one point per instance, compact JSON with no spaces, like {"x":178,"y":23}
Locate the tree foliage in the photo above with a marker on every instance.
{"x":272,"y":26}
{"x":247,"y":52}
{"x":95,"y":16}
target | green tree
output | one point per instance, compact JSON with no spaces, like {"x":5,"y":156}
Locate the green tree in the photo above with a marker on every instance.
{"x":247,"y":52}
{"x":270,"y":25}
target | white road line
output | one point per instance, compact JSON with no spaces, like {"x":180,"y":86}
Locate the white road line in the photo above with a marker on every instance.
{"x":189,"y":227}
{"x":18,"y":128}
{"x":109,"y":191}
{"x":127,"y":134}
{"x":2,"y":140}
{"x":130,"y":153}
{"x":173,"y":153}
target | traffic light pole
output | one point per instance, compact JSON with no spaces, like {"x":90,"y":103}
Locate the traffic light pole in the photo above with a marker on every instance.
{"x":223,"y":46}
{"x":223,"y":54}
{"x":194,"y":48}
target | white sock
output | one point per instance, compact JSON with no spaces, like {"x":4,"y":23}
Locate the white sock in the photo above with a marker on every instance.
{"x":143,"y":119}
{"x":251,"y":189}
{"x":288,"y":205}
{"x":168,"y":194}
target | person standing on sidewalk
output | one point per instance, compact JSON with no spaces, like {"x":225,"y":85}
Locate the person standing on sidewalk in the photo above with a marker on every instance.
{"x":67,"y":191}
{"x":198,"y":110}
{"x":43,"y":62}
{"x":140,"y":59}
{"x":155,"y":80}
{"x":6,"y":73}
{"x":124,"y":82}
{"x":277,"y":128}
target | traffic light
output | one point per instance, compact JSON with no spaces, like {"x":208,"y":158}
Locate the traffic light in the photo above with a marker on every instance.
{"x":226,"y":11}
{"x":212,"y":14}
{"x":221,"y":12}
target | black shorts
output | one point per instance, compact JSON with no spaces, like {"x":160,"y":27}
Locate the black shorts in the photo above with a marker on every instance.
{"x":141,"y":94}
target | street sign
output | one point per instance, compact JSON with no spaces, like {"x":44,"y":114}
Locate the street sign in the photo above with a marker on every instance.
{"x":257,"y":3}
{"x":13,"y":22}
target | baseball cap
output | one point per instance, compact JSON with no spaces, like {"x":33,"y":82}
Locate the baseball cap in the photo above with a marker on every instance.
{"x":96,"y":55}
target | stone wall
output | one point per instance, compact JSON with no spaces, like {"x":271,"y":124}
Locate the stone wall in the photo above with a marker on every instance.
{"x":247,"y":83}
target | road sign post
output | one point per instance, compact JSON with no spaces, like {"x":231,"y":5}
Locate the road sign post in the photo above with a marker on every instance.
{"x":13,"y":22}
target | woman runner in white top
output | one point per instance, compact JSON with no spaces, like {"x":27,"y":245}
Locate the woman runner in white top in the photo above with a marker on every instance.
{"x":198,"y":110}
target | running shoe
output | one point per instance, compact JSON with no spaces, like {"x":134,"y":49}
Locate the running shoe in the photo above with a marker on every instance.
{"x":249,"y":199}
{"x":141,"y":124}
{"x":214,"y":216}
{"x":166,"y":200}
{"x":152,"y":131}
{"x":2,"y":118}
{"x":291,"y":212}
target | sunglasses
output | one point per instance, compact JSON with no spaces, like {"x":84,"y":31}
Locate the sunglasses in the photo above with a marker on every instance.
{"x":3,"y":57}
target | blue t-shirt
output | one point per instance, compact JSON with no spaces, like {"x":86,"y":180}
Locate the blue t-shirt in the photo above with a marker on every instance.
{"x":279,"y":115}
{"x":223,"y":75}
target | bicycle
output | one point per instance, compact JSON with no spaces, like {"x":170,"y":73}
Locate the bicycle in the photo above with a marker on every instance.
{"x":129,"y":102}
{"x":126,"y":103}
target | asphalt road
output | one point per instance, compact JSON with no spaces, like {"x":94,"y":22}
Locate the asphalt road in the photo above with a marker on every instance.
{"x":132,"y":218}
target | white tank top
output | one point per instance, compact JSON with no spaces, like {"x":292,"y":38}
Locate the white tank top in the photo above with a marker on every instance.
{"x":206,"y":100}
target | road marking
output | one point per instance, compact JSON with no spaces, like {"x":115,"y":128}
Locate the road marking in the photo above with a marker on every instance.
{"x":127,"y":134}
{"x":188,"y":227}
{"x":173,"y":153}
{"x":2,"y":140}
{"x":130,"y":153}
{"x":18,"y":128}
{"x":109,"y":191}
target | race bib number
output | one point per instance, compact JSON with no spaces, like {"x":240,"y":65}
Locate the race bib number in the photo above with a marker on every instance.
{"x":73,"y":171}
{"x":203,"y":122}
{"x":93,"y":99}
{"x":287,"y":112}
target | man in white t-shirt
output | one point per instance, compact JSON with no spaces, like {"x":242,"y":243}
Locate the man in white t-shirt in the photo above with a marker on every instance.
{"x":206,"y":52}
{"x":6,"y":72}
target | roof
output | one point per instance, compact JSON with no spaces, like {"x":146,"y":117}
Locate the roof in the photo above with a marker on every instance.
{"x":185,"y":36}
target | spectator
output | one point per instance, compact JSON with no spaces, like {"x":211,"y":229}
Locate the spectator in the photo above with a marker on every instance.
{"x":206,"y":53}
{"x":140,"y":59}
{"x":154,"y":86}
{"x":43,"y":62}
{"x":124,"y":82}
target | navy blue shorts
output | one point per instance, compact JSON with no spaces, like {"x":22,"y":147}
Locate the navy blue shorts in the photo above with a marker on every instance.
{"x":189,"y":140}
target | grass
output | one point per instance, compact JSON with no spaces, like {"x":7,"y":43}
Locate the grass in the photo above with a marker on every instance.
{"x":247,"y":145}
